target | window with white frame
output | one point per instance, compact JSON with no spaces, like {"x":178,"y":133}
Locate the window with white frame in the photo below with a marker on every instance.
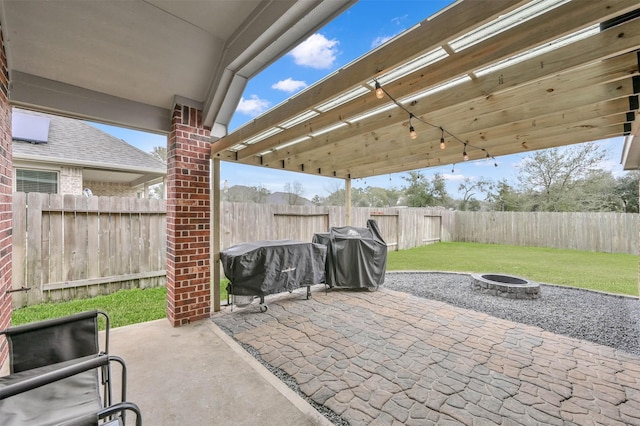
{"x":36,"y":181}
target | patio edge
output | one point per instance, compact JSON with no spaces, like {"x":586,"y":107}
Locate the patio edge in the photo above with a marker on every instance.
{"x":302,"y":405}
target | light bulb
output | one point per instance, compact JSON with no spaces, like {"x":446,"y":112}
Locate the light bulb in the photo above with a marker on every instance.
{"x":465,"y":157}
{"x":412,"y":132}
{"x":379,"y":91}
{"x":442,"y":145}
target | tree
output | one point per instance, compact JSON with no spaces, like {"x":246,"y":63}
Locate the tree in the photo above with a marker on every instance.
{"x":549,"y":176}
{"x":439,"y":190}
{"x":337,"y":194}
{"x":381,"y":197}
{"x":504,"y":198}
{"x":420,"y":192}
{"x":626,"y":189}
{"x":160,"y":152}
{"x":246,"y":194}
{"x":294,"y":191}
{"x":370,"y":196}
{"x":258,"y":194}
{"x":335,"y":198}
{"x":157,"y":191}
{"x":596,"y":193}
{"x":470,"y":187}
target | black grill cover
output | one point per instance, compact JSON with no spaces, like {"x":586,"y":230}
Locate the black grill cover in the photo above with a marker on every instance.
{"x":268,"y":267}
{"x":356,"y":257}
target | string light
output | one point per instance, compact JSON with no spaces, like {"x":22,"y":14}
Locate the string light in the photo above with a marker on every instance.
{"x":381,"y":92}
{"x":412,"y":130}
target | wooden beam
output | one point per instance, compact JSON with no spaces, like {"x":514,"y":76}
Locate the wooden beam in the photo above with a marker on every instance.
{"x":347,"y":199}
{"x":215,"y":235}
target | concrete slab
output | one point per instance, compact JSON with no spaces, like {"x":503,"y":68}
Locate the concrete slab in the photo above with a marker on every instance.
{"x":197,"y":375}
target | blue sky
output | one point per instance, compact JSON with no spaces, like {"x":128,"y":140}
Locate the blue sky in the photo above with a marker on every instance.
{"x":359,"y":29}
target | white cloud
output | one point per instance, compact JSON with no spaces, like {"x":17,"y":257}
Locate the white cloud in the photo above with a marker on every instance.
{"x":253,"y":106}
{"x":289,"y":85}
{"x":316,"y":52}
{"x":380,"y":40}
{"x":399,"y":20}
{"x":453,"y":177}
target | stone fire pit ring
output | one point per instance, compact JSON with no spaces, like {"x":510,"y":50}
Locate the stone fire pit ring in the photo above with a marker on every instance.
{"x":508,"y":286}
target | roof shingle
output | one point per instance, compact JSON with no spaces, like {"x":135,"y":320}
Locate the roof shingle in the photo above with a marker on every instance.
{"x":77,"y":142}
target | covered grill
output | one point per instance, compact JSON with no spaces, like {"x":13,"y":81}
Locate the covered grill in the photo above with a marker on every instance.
{"x":356,"y":257}
{"x":261,"y":268}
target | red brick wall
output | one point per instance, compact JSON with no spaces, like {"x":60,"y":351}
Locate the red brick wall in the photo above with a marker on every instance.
{"x":6,"y":173}
{"x":188,"y":218}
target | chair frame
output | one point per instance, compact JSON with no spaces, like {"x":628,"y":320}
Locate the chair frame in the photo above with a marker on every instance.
{"x":42,"y":366}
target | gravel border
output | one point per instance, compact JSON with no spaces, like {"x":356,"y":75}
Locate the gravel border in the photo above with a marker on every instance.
{"x":606,"y":319}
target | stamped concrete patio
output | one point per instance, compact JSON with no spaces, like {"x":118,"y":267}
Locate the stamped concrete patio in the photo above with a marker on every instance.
{"x":387,"y":357}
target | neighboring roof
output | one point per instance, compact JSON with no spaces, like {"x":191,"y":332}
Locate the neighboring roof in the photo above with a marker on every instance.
{"x":285,"y":197}
{"x":76,"y":143}
{"x":492,"y":78}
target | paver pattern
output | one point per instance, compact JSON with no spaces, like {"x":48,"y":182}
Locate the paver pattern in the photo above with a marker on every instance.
{"x":391,"y":358}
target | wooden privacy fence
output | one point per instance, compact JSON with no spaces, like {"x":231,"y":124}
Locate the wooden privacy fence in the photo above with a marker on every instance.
{"x":67,"y":247}
{"x":401,"y":228}
{"x":602,"y":232}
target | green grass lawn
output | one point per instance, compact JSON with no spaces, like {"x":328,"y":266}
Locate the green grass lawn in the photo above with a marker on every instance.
{"x":124,"y":307}
{"x":614,"y":273}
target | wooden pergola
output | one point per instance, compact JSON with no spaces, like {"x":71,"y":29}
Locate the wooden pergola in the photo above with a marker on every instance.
{"x":505,"y":76}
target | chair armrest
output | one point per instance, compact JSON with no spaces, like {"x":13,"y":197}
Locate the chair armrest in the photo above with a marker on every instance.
{"x":33,"y":380}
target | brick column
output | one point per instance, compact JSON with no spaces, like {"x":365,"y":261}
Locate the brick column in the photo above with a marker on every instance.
{"x":6,"y":189}
{"x":188,"y":218}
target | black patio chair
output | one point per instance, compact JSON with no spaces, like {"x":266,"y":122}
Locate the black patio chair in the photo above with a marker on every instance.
{"x":56,"y":369}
